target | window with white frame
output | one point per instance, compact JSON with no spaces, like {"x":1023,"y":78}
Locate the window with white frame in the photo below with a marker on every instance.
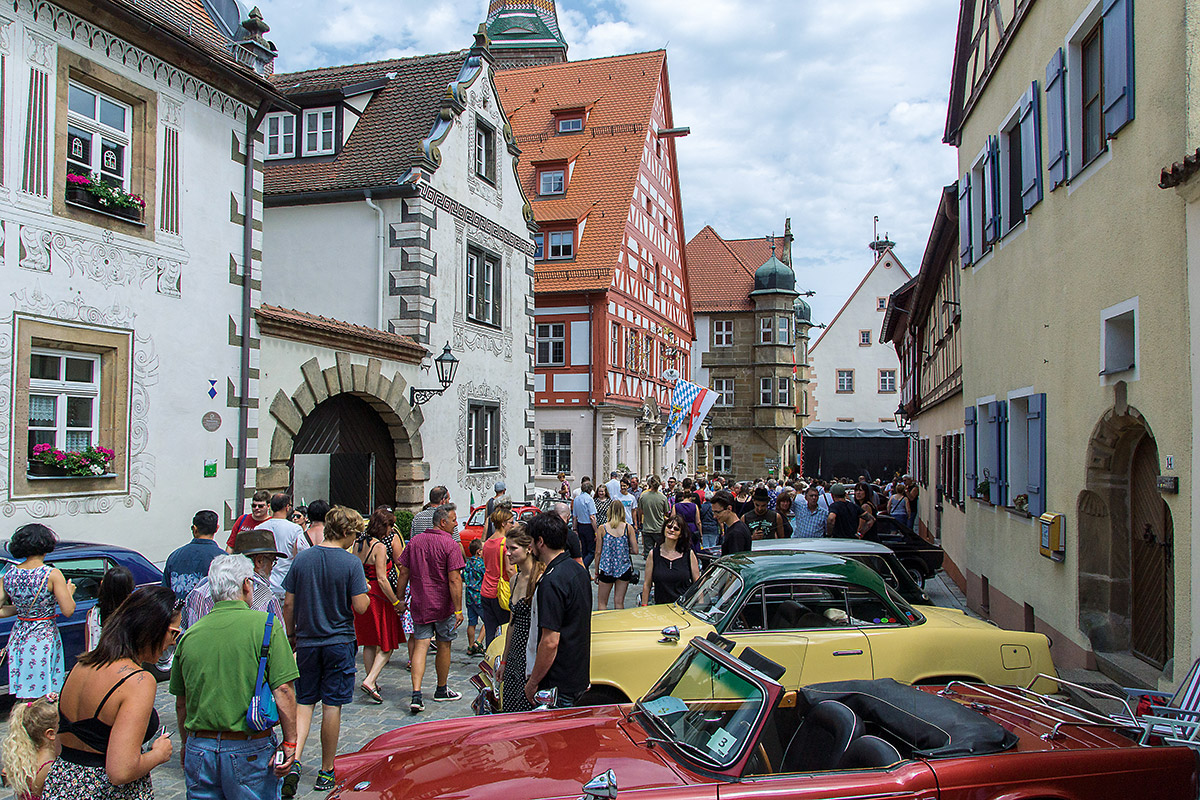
{"x":723,"y":458}
{"x":319,"y":131}
{"x":785,"y":391}
{"x":766,"y":391}
{"x":845,"y":381}
{"x":552,"y":345}
{"x":724,"y":389}
{"x":783,"y":327}
{"x":562,"y":244}
{"x":1011,"y":209}
{"x":570,"y":125}
{"x":485,"y":151}
{"x":864,"y":338}
{"x":281,"y":135}
{"x":556,"y":452}
{"x":483,"y":287}
{"x":98,"y":135}
{"x":1119,"y":339}
{"x":483,"y":435}
{"x":64,"y":391}
{"x":552,"y":181}
{"x":766,"y":330}
{"x":887,"y":381}
{"x":614,"y":345}
{"x":722,"y":333}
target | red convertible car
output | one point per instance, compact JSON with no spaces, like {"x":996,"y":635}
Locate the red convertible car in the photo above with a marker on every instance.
{"x":715,"y":726}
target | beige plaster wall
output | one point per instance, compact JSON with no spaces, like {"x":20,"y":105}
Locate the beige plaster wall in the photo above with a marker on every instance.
{"x":1031,"y":309}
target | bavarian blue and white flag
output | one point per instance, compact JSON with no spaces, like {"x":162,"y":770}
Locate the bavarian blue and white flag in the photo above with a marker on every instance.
{"x":690,"y":404}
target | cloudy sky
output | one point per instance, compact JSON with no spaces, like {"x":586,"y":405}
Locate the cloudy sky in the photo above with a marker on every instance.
{"x":829,"y":113}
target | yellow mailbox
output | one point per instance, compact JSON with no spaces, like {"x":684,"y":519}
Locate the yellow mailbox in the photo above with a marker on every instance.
{"x":1053,"y":544}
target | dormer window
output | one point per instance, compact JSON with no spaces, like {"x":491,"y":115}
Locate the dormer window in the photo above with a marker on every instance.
{"x":319,"y":131}
{"x":562,"y":244}
{"x":552,"y":181}
{"x":281,"y":135}
{"x":570,"y":124}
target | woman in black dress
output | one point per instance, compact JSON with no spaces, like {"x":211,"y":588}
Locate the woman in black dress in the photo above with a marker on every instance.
{"x":511,"y":674}
{"x":671,"y":567}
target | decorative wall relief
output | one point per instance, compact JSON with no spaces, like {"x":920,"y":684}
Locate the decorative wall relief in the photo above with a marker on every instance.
{"x":141,"y":476}
{"x":480,"y":391}
{"x":33,"y":255}
{"x":39,"y":49}
{"x":101,"y":260}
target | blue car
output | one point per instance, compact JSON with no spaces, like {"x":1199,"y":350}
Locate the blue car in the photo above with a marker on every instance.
{"x":85,"y":564}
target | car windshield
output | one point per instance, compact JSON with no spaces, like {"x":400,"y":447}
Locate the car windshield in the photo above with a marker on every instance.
{"x":705,"y":708}
{"x":711,"y":597}
{"x":880,"y":564}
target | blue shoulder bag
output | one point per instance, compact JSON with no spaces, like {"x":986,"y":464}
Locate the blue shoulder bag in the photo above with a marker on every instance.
{"x":262,"y":715}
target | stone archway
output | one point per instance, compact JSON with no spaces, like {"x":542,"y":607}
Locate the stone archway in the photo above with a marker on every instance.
{"x":1105,"y":512}
{"x":387,"y":396}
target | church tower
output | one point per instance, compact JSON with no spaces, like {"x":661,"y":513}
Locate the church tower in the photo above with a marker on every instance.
{"x":525,"y":34}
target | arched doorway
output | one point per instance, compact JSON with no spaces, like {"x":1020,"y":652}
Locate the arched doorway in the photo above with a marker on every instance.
{"x":1126,"y":575}
{"x":344,"y":453}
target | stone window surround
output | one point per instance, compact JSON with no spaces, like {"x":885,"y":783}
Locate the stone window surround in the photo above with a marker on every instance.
{"x":485,"y":131}
{"x":722,"y":333}
{"x":864,"y":341}
{"x":143,"y":148}
{"x":478,"y":408}
{"x":115,"y":348}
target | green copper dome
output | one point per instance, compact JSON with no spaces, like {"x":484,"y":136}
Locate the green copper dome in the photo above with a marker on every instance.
{"x":774,"y":277}
{"x":802,"y":311}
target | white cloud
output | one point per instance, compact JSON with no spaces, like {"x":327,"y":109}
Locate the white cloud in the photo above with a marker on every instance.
{"x":829,"y":113}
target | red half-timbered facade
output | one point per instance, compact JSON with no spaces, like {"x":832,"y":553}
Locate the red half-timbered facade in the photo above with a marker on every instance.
{"x":612,"y":308}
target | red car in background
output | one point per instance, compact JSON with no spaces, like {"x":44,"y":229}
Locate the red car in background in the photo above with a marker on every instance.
{"x":476,"y":523}
{"x":716,"y":727}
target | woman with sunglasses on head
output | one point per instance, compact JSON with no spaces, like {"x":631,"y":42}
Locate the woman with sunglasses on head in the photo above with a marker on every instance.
{"x":671,"y":567}
{"x":106,"y":709}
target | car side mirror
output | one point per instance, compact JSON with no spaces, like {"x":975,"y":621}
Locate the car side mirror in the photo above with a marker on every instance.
{"x":670,"y":635}
{"x":545,"y":698}
{"x":601,"y":787}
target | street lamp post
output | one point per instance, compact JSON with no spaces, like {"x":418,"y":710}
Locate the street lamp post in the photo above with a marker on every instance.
{"x":447,"y":366}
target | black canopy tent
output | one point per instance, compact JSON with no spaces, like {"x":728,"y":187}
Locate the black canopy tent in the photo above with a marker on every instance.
{"x":831,"y":450}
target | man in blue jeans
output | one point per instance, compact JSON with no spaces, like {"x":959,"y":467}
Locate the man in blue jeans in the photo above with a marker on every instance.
{"x":213,"y":678}
{"x":324,"y":589}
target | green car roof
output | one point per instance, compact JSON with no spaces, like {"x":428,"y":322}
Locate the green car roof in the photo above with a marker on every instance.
{"x":756,"y":567}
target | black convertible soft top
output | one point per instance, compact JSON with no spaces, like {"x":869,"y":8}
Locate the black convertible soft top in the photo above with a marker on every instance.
{"x":935,"y":726}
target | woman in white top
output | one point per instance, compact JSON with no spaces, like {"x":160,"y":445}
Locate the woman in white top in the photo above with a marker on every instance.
{"x":115,"y":586}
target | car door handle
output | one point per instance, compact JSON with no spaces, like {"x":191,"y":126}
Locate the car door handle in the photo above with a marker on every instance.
{"x":847,"y":652}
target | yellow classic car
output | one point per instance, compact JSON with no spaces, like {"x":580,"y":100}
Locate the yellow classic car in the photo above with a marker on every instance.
{"x":823,"y":617}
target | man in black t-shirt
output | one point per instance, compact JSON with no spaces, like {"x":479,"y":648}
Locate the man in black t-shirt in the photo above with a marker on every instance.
{"x":843,"y":515}
{"x":763,"y":522}
{"x":736,"y":538}
{"x":558,"y":653}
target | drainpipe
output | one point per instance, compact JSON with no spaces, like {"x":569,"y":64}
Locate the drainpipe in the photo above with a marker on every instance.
{"x":378,"y":258}
{"x":252,"y":124}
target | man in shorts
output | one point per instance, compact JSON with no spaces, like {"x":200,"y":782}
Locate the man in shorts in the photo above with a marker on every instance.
{"x":324,"y":589}
{"x":432,"y":567}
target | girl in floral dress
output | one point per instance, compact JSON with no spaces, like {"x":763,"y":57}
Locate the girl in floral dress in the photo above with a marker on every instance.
{"x":39,"y":592}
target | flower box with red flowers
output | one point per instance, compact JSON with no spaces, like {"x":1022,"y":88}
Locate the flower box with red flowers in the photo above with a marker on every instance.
{"x":92,"y":193}
{"x":91,"y":462}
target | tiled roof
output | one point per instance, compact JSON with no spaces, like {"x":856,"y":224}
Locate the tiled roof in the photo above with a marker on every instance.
{"x":622,"y":90}
{"x":1181,"y":171}
{"x":753,"y":252}
{"x":386,"y":140}
{"x":720,"y":279}
{"x":288,"y":323}
{"x":191,"y":21}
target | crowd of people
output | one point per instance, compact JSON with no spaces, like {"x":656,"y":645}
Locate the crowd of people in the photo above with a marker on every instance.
{"x":257,"y":633}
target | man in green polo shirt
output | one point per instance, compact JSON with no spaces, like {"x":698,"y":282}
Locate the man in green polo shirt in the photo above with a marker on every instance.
{"x":213,"y":678}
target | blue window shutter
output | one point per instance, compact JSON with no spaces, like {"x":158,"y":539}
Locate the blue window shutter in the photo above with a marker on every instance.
{"x":991,"y":191}
{"x":969,"y":469}
{"x":966,"y":253}
{"x":1031,"y":149}
{"x":1037,"y":454}
{"x":1056,"y":120}
{"x":1118,"y":65}
{"x":1001,"y":497}
{"x":990,"y":468}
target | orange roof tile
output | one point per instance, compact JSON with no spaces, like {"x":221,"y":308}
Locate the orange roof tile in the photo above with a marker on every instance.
{"x":752,"y":252}
{"x":621,"y":90}
{"x":720,"y":279}
{"x":288,"y":323}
